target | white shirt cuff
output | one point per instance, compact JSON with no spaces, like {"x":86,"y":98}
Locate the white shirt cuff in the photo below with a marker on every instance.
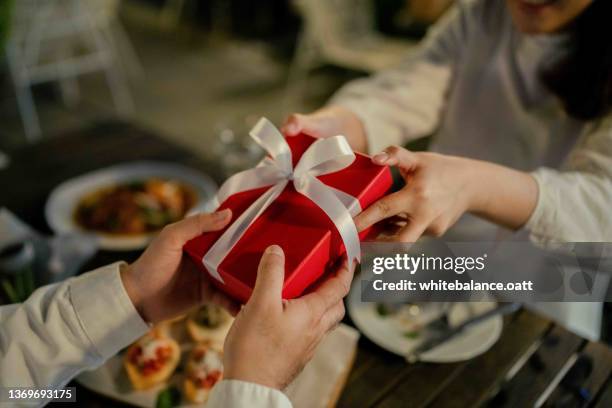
{"x":240,"y":394}
{"x":105,"y":311}
{"x":542,"y":219}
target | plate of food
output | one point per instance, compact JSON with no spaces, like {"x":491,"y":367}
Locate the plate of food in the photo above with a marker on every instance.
{"x":178,"y":363}
{"x":167,"y":366}
{"x":125,"y":205}
{"x":401,"y":328}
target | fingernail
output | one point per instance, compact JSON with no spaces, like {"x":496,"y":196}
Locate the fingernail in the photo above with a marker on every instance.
{"x":381,"y":157}
{"x":274,"y":249}
{"x":221,"y":215}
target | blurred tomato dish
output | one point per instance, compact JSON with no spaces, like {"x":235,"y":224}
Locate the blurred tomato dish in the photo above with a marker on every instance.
{"x":135,"y":207}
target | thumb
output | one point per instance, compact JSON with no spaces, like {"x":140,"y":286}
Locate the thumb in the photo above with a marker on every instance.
{"x":270,"y":278}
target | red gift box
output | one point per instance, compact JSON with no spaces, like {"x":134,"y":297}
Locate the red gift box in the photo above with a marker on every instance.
{"x":305,"y":233}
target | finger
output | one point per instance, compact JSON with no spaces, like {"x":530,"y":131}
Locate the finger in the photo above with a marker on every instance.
{"x":204,"y":288}
{"x":270,"y":278}
{"x":396,"y":156}
{"x":331,"y":290}
{"x":298,"y":123}
{"x":332,"y":317}
{"x":292,"y":125}
{"x":339,"y":271}
{"x":386,"y":207}
{"x":222,"y":300}
{"x":391,"y":226}
{"x":189,"y":228}
{"x":410,"y":233}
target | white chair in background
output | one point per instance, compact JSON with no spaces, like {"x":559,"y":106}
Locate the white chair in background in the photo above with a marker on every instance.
{"x":57,"y":41}
{"x":107,"y":14}
{"x":342,"y":33}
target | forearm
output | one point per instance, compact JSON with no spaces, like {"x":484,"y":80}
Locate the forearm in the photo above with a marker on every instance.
{"x":399,"y":105}
{"x":500,"y":194}
{"x":65,"y":328}
{"x":404,"y":103}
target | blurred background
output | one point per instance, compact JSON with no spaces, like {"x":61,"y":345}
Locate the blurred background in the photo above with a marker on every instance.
{"x":189,"y":69}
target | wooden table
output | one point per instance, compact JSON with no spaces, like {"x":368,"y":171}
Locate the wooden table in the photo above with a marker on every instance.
{"x":534,"y":360}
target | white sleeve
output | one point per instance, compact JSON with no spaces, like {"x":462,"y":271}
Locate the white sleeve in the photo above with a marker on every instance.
{"x":240,"y":394}
{"x":575,"y":204}
{"x":65,"y":328}
{"x":406,"y":102}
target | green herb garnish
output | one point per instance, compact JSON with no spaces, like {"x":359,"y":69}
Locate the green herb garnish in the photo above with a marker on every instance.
{"x":411,"y":334}
{"x":168,"y":398}
{"x":382,"y":310}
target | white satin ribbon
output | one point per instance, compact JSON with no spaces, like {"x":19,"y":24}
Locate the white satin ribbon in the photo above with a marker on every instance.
{"x":322,"y":157}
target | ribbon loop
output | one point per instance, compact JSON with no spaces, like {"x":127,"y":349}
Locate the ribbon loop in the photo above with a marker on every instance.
{"x":250,"y":179}
{"x":268,"y":137}
{"x":324,"y":156}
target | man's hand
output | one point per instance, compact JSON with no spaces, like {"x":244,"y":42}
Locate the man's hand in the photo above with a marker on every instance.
{"x":328,"y":122}
{"x":272,"y":339}
{"x":162,"y":284}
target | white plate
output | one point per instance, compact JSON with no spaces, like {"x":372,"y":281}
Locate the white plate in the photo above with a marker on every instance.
{"x":314,"y":387}
{"x":64,"y":198}
{"x":388,"y":332}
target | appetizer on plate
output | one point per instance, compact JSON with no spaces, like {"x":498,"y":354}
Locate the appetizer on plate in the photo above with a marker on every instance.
{"x":151,"y":360}
{"x":137,"y":207}
{"x":204,"y":370}
{"x":209,"y":323}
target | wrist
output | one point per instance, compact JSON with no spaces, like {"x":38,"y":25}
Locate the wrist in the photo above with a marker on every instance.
{"x":255,"y":378}
{"x":131,"y":288}
{"x":500,"y":194}
{"x":475,"y":187}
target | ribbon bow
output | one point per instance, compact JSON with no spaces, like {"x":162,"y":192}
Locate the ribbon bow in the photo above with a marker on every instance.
{"x":322,"y":157}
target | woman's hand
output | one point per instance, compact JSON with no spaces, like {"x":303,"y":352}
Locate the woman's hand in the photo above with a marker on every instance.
{"x":328,"y":122}
{"x":440,"y":188}
{"x":272,"y":339}
{"x":163,"y":284}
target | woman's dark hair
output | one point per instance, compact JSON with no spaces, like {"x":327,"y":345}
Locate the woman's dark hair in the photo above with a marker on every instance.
{"x":583,"y":79}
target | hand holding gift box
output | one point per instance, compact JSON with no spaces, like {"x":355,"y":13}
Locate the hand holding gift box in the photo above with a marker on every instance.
{"x":302,"y":198}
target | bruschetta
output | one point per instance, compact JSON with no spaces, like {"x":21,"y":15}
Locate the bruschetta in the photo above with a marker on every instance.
{"x":204,"y":369}
{"x":151,"y":360}
{"x":209,"y":323}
